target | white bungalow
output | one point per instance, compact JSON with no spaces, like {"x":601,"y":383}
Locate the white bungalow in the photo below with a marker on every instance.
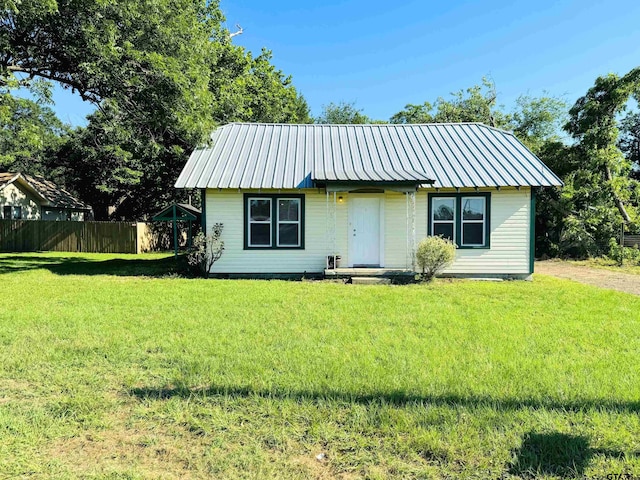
{"x":29,"y":197}
{"x":294,"y":197}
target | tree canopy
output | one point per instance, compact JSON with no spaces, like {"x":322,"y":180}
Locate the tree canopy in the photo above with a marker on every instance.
{"x":161,"y":72}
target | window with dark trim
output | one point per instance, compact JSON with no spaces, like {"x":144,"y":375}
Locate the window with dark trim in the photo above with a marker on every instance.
{"x":12,"y":213}
{"x":463,"y":218}
{"x":273,"y":221}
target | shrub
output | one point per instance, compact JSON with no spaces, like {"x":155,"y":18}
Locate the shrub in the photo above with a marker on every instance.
{"x":622,"y":255}
{"x":206,"y":250}
{"x":433,"y":255}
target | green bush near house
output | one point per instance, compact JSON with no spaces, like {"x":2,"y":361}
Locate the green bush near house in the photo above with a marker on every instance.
{"x":433,"y":255}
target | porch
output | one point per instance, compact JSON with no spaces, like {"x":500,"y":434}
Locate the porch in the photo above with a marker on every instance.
{"x":371,"y":275}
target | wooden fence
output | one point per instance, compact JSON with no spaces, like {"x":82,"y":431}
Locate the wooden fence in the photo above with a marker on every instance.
{"x":43,"y":235}
{"x":631,"y":240}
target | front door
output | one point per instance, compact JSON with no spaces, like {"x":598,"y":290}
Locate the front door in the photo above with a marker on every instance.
{"x":364,"y":232}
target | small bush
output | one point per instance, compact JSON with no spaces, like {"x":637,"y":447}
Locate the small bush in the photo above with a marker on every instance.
{"x":622,"y":255}
{"x":433,"y":255}
{"x":206,"y":250}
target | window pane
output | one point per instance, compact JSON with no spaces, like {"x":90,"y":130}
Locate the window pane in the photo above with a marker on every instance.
{"x":260,"y":209}
{"x":473,"y":208}
{"x":288,"y":209}
{"x":444,"y":230}
{"x":17,"y":213}
{"x":288,"y":234}
{"x":7,"y":212}
{"x":443,"y":208}
{"x":472,"y":234}
{"x":260,"y":234}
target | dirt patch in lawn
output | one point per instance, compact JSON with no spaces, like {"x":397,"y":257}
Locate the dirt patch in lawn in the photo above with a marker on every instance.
{"x":121,"y":450}
{"x":622,"y":282}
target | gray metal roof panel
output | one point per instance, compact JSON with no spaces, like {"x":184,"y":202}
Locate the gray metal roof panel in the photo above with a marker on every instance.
{"x":457,"y":155}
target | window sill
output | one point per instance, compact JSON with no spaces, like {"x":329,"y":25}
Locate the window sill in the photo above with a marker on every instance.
{"x":273,"y":248}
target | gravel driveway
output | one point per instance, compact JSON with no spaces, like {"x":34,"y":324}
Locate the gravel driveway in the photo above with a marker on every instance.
{"x":623,"y":282}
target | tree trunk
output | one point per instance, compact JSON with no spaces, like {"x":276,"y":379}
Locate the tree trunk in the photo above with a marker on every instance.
{"x":618,"y":202}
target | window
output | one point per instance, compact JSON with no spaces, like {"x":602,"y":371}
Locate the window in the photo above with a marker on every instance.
{"x":260,"y":222}
{"x":12,"y":213}
{"x":443,"y":217}
{"x":473,"y":221}
{"x":274,"y":221}
{"x":288,"y":222}
{"x":463,"y":218}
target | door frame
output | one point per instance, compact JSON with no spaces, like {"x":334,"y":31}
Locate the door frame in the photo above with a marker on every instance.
{"x":381,"y":198}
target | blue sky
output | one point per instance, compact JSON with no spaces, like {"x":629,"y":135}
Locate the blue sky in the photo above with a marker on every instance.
{"x":383,"y":55}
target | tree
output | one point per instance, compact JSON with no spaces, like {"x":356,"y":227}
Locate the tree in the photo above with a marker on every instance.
{"x":537,"y":121}
{"x":630,"y":141}
{"x":593,"y":123}
{"x":414,"y":114}
{"x":162,"y":73}
{"x":475,"y":104}
{"x":29,"y":133}
{"x":342,"y":113}
{"x":251,"y":89}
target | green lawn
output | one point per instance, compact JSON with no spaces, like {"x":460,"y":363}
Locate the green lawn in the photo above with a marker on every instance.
{"x":147,"y":375}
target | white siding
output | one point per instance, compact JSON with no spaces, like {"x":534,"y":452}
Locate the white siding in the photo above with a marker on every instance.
{"x":510,"y":225}
{"x":509,"y":252}
{"x":14,"y":196}
{"x":226,"y":207}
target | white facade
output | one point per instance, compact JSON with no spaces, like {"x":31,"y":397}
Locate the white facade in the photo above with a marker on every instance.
{"x":329,"y":224}
{"x":13,"y":196}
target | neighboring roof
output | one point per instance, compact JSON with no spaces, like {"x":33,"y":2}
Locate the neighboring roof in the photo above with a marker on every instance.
{"x":184,"y":211}
{"x":48,"y":192}
{"x":255,"y":155}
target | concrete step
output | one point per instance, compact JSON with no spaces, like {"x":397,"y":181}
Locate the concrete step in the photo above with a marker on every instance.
{"x":370,"y":281}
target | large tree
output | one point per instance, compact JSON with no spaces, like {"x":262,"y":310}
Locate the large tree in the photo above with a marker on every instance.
{"x":475,"y":104}
{"x":594,"y":124}
{"x":30,"y":133}
{"x":162,"y":73}
{"x":342,"y":113}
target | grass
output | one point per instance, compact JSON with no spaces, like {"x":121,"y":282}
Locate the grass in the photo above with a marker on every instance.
{"x":608,"y":264}
{"x":105,"y":375}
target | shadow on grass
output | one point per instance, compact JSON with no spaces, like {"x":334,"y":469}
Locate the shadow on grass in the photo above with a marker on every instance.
{"x":397,"y":398}
{"x":555,"y":454}
{"x":60,"y":265}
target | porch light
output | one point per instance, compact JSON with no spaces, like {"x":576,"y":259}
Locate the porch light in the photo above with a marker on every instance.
{"x":340,"y":199}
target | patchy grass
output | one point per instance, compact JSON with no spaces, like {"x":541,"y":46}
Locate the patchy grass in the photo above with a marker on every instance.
{"x":106,"y":375}
{"x":605,"y":264}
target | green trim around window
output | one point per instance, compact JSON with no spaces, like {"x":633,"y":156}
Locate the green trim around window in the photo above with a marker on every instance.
{"x":458,"y":217}
{"x":274,"y":220}
{"x":532,"y":231}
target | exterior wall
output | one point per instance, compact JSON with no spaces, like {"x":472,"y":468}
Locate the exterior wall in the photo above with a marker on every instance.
{"x":510,"y":238}
{"x":61,"y":215}
{"x":227,"y":207}
{"x":14,"y":196}
{"x":508,"y":252}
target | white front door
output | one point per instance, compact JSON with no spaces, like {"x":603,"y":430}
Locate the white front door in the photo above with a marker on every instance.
{"x":364,"y":232}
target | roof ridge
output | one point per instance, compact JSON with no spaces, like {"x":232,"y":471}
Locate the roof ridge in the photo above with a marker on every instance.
{"x":403,"y":125}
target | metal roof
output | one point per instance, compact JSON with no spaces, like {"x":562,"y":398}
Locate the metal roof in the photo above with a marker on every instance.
{"x":258,"y":155}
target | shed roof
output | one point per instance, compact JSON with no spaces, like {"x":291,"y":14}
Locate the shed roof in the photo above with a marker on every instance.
{"x":258,"y":155}
{"x":183,"y":211}
{"x":49,"y":193}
